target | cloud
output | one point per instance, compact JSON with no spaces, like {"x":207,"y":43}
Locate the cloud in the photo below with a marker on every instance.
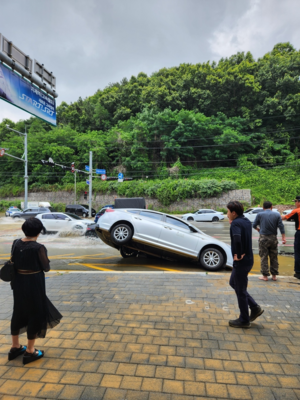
{"x":88,"y":44}
{"x":261,"y":25}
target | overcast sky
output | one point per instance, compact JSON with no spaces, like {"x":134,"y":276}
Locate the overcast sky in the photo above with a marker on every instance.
{"x":90,"y":43}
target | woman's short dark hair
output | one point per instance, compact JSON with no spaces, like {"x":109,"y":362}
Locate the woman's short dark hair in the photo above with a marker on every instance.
{"x":32,"y":227}
{"x":267,"y":204}
{"x":236,"y":206}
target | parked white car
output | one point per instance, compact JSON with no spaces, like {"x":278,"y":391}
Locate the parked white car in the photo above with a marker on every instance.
{"x":204,"y":215}
{"x":251,"y":213}
{"x":286,"y":212}
{"x":63,"y":222}
{"x":134,"y":231}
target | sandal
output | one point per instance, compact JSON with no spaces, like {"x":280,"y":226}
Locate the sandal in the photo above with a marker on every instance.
{"x":30,"y":357}
{"x":16,"y":352}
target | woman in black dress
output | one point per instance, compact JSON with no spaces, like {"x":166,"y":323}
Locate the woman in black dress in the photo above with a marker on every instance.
{"x":33,"y":312}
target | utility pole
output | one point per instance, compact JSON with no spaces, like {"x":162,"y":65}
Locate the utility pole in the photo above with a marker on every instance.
{"x":25,"y":161}
{"x":90,"y":185}
{"x":26,"y":171}
{"x":75,"y":186}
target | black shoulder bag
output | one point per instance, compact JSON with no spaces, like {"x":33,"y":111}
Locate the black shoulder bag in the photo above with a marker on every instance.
{"x":7,"y":272}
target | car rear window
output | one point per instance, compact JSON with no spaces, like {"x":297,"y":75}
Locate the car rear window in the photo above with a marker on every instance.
{"x":47,"y":216}
{"x":175,"y":222}
{"x":151,"y":215}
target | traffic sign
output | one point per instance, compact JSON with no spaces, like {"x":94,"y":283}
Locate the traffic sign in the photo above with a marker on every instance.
{"x":101,"y":171}
{"x":2,"y":152}
{"x":87,"y":168}
{"x":120,"y":175}
{"x":120,"y":180}
{"x":88,"y":182}
{"x":103,"y":177}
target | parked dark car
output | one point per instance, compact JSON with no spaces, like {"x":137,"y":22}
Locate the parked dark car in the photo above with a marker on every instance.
{"x":80,"y":209}
{"x":31,"y":212}
{"x":101,"y":212}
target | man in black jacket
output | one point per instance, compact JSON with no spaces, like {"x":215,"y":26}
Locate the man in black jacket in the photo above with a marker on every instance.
{"x":241,"y":247}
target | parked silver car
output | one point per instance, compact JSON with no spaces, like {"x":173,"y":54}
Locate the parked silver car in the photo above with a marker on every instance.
{"x":204,"y":215}
{"x":135,"y":230}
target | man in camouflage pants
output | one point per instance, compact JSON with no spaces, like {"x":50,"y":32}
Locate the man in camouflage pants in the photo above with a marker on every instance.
{"x":266,"y":223}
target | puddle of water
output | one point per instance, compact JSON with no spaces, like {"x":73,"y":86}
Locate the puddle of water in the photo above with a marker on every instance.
{"x":286,"y":265}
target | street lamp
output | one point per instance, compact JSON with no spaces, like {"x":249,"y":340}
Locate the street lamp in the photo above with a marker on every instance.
{"x":25,"y":161}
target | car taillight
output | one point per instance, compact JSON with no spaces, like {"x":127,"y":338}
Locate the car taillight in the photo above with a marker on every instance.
{"x":110,"y":210}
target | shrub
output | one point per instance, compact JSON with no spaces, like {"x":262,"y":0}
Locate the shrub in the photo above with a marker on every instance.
{"x":5,"y":204}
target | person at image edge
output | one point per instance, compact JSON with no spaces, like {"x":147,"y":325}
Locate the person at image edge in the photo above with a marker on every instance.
{"x":295,"y":216}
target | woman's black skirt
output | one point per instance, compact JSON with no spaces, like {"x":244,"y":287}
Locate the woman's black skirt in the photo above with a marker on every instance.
{"x":33,"y":311}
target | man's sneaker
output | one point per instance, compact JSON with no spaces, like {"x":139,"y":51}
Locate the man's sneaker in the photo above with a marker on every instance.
{"x":255,"y":313}
{"x":297,"y":276}
{"x":236,"y":323}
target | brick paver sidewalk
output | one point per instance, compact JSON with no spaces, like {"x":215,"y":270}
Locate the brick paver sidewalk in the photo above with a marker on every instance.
{"x":158,"y":337}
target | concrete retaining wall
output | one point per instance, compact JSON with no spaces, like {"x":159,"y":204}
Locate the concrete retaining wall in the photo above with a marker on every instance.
{"x":243,"y":195}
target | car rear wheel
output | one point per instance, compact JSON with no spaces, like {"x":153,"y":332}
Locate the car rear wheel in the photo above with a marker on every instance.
{"x":127,"y":253}
{"x":44,"y":232}
{"x":190,"y":219}
{"x":121,"y":234}
{"x":215,"y":219}
{"x":84,"y":215}
{"x":211,"y":259}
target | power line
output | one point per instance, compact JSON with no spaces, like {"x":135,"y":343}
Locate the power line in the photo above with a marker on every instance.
{"x":191,"y":161}
{"x":197,"y":172}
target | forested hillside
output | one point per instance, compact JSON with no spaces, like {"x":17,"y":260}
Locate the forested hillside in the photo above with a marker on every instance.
{"x":180,"y":122}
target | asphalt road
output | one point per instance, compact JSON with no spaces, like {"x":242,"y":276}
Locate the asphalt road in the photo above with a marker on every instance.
{"x":81,"y":253}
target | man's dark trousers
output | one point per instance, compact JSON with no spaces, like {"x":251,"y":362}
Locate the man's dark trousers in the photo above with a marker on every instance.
{"x":239,"y":282}
{"x":297,"y":252}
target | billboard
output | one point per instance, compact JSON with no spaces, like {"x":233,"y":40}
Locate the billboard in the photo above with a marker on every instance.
{"x":21,"y":93}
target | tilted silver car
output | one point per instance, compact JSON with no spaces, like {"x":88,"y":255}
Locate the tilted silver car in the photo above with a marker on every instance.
{"x":136,"y":230}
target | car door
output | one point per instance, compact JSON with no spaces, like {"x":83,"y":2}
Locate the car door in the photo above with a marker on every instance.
{"x":62,"y":222}
{"x":199,"y":216}
{"x":26,"y":213}
{"x":30,"y":212}
{"x":49,"y":222}
{"x":210,"y":214}
{"x":147,"y":226}
{"x":178,"y":237}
